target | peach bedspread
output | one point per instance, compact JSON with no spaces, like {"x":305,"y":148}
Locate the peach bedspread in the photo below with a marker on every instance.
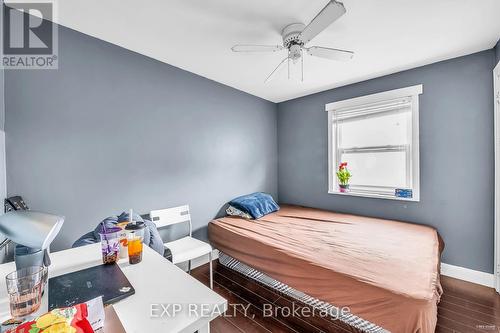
{"x":386,"y":272}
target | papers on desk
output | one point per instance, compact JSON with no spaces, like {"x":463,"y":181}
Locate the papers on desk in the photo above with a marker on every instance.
{"x":103,"y":320}
{"x":95,"y":313}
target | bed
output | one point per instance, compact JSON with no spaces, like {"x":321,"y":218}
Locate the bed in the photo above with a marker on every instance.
{"x":386,"y":272}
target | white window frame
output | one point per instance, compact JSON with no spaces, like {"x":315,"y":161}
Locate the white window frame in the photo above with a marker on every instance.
{"x":496,"y":101}
{"x":412,"y":92}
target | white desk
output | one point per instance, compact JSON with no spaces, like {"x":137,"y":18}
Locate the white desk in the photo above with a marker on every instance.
{"x":156,"y":281}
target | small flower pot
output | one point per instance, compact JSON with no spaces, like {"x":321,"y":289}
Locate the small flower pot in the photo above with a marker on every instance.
{"x":344,"y":188}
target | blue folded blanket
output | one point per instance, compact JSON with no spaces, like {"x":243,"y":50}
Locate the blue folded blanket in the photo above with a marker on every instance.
{"x":256,"y":204}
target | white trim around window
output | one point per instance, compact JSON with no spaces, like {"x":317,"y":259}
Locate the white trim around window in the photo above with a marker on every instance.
{"x":399,"y":100}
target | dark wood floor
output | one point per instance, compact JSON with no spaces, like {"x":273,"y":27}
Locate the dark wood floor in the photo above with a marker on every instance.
{"x":464,"y":307}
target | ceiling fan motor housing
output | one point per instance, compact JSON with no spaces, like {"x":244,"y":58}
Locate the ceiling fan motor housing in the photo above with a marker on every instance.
{"x":291,"y":35}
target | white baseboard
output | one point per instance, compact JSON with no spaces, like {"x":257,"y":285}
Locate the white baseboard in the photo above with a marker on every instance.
{"x":198,"y":261}
{"x":466,"y":274}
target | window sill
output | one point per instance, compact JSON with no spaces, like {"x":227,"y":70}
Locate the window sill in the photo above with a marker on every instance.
{"x":373,"y":196}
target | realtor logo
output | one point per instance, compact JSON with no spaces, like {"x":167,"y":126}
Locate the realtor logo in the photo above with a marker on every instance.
{"x":29,"y":38}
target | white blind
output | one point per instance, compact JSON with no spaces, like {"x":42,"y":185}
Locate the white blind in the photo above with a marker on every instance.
{"x":397,"y":104}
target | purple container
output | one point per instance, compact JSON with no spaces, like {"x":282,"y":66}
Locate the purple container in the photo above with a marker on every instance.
{"x":110,"y":244}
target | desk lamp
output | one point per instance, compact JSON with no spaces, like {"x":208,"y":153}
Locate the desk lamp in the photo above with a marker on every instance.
{"x":33,"y":232}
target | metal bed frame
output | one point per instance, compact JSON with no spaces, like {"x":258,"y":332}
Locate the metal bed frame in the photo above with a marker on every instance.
{"x":349,"y":319}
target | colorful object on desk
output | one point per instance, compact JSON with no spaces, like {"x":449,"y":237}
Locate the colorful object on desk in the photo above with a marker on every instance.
{"x":62,"y":320}
{"x":110,"y":244}
{"x":135,"y":236}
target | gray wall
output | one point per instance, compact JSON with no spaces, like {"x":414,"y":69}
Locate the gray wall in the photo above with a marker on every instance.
{"x":2,"y":100}
{"x":112,"y":130}
{"x":2,"y":117}
{"x":456,"y":155}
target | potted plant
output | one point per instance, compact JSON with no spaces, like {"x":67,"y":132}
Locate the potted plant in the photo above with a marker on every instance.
{"x":343,"y":176}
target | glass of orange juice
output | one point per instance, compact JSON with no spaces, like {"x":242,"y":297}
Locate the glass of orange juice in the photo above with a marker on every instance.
{"x":135,"y":236}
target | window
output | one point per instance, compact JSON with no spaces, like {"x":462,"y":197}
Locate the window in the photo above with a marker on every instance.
{"x":377,"y":136}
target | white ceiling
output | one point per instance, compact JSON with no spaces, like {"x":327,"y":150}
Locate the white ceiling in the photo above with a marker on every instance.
{"x":196,"y":35}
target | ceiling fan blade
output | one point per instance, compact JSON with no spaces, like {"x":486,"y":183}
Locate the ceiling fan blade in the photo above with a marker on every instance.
{"x":273,"y":73}
{"x":326,"y":16}
{"x":328,"y":53}
{"x":256,"y":48}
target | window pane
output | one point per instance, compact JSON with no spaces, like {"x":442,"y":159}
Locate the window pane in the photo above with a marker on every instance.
{"x":377,"y":168}
{"x":382,"y":129}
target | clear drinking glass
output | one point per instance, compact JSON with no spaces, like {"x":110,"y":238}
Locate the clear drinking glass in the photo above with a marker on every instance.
{"x":25,"y":287}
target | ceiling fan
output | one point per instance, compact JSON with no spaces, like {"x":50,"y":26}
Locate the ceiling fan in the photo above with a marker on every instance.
{"x":297,"y":35}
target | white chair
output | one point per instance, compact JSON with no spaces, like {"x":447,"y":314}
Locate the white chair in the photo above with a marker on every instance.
{"x":187,"y":248}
